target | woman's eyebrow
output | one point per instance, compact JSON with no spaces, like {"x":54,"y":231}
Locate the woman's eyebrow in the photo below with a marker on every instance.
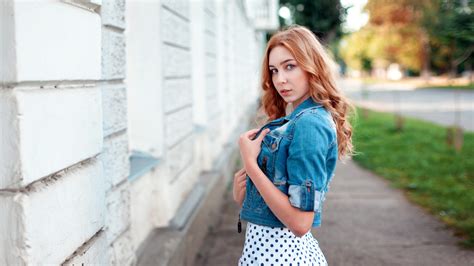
{"x":282,"y":62}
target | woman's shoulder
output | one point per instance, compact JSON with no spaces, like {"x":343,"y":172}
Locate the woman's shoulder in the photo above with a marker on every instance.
{"x":315,"y":123}
{"x":314,"y":117}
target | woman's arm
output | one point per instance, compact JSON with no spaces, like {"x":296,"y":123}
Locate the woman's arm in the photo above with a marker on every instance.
{"x":298,"y":221}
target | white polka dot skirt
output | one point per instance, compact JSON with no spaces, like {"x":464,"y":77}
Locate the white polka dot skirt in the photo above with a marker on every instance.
{"x":275,"y":246}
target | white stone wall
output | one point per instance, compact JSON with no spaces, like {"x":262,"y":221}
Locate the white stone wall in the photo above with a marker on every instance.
{"x":64,"y":156}
{"x":85,"y":82}
{"x":114,"y":156}
{"x":160,"y":93}
{"x":194,"y":49}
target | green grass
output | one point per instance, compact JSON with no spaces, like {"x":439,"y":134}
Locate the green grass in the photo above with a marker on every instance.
{"x":459,"y":87}
{"x":419,"y":161}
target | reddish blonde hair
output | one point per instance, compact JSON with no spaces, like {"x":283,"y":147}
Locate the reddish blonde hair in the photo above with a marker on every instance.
{"x":311,"y":56}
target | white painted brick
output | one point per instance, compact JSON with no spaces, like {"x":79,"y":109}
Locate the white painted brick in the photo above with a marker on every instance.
{"x":113,"y":55}
{"x":177,"y":93}
{"x":210,"y":45}
{"x":213,"y":106}
{"x":180,"y":156}
{"x":114,"y":157}
{"x":122,"y":251}
{"x":211,"y":88}
{"x":179,"y":187}
{"x":178,"y":125}
{"x":179,"y":6}
{"x":113,"y":13}
{"x":9,"y":131}
{"x":95,"y":252}
{"x":7,"y":44}
{"x":213,"y":126}
{"x":11,"y":238}
{"x":114,"y":104}
{"x":211,"y":64}
{"x":58,"y":215}
{"x":145,"y":206}
{"x":56,"y":41}
{"x":51,"y":129}
{"x":210,"y":5}
{"x":174,"y":29}
{"x":118,"y":212}
{"x":209,"y":21}
{"x":176,"y":61}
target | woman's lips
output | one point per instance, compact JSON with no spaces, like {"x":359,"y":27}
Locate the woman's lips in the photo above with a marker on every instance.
{"x":285,"y":92}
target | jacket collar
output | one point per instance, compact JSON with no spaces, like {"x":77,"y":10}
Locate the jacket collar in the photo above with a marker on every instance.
{"x":308,"y":103}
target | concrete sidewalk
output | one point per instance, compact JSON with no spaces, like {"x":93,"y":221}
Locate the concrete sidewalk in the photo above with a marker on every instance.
{"x":365,"y":222}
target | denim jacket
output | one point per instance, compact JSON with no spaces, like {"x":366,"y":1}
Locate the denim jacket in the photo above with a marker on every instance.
{"x":299,"y":156}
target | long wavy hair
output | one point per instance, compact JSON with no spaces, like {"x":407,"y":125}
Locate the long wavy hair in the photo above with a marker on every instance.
{"x":312,"y":57}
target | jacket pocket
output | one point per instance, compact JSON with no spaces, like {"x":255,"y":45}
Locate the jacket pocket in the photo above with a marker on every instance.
{"x":272,"y":142}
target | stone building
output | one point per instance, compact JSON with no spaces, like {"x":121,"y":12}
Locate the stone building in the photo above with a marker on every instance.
{"x":118,"y":123}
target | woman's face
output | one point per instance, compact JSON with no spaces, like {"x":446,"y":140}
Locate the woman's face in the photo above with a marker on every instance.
{"x":288,"y":78}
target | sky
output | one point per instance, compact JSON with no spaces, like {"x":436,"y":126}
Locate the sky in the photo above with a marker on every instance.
{"x":355,"y":16}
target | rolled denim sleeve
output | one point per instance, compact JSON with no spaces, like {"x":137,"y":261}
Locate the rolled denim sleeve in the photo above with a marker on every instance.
{"x":306,"y":163}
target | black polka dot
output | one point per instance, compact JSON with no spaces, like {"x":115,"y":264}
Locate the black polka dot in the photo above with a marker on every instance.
{"x":298,"y":251}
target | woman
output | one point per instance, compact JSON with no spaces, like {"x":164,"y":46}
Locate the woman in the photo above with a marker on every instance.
{"x":290,"y":161}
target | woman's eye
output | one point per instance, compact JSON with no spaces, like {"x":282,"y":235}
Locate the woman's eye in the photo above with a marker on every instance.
{"x":290,"y":66}
{"x":273,"y":71}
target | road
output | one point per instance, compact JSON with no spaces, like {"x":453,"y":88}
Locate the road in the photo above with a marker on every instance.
{"x":442,"y":106}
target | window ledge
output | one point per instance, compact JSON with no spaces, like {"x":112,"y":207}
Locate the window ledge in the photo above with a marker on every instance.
{"x":141,"y":163}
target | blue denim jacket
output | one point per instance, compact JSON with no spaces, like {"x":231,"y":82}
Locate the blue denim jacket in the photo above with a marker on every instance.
{"x":299,"y":156}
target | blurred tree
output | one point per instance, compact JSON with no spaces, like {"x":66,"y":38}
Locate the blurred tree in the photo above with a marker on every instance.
{"x":353,"y":49}
{"x":417,"y":34}
{"x":398,"y":37}
{"x":392,"y":35}
{"x":323,"y":17}
{"x":450,"y":26}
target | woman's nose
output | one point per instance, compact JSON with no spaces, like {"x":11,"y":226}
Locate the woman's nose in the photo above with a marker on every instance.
{"x":281,"y":78}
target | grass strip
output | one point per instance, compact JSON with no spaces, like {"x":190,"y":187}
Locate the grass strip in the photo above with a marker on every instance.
{"x":457,"y":87}
{"x":418,"y":160}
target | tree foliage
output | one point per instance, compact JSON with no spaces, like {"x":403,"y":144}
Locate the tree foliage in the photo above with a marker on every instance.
{"x":392,"y":35}
{"x":323,"y":17}
{"x":450,"y":26}
{"x":416,"y":34}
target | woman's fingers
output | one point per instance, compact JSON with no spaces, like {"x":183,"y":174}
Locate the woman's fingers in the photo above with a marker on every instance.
{"x":262,"y":135}
{"x":251,"y":133}
{"x":241,"y":171}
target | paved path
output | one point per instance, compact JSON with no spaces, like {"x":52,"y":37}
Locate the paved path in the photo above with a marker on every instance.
{"x":365,"y":222}
{"x":442,"y":106}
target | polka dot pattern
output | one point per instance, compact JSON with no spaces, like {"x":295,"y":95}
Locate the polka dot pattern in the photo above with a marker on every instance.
{"x":275,"y":246}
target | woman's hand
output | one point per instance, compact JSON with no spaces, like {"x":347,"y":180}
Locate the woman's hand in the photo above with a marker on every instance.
{"x":239,"y":190}
{"x":249,"y":149}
